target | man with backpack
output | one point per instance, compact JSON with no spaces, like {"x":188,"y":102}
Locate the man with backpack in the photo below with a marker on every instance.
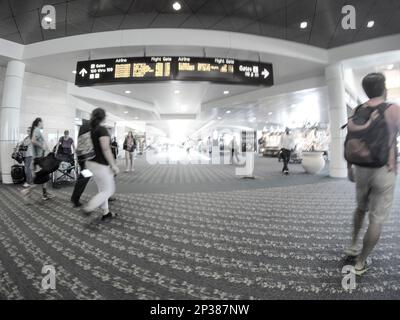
{"x":371,"y":153}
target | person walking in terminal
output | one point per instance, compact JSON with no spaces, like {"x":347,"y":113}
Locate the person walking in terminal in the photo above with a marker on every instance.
{"x":28,"y":156}
{"x":371,"y":153}
{"x":287,"y":146}
{"x":39,"y":148}
{"x":114,"y":147}
{"x":129,"y":147}
{"x":234,"y":150}
{"x":102,"y":166}
{"x":84,"y":176}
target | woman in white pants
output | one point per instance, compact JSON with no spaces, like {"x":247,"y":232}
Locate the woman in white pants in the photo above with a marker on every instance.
{"x":102,"y":166}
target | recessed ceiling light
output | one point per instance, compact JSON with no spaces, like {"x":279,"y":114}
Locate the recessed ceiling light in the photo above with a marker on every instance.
{"x":304,"y":25}
{"x":228,"y":111}
{"x":370,"y":24}
{"x":390,"y":67}
{"x":177,"y":6}
{"x":74,"y":71}
{"x":226,"y":92}
{"x":177,"y":92}
{"x":270,"y":113}
{"x":128,"y":91}
{"x":48,"y":19}
{"x":126,"y":112}
{"x":219,"y":118}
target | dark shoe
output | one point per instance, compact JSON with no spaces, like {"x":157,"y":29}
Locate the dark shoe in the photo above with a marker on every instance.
{"x":108,"y":216}
{"x":77,"y":204}
{"x":111,"y":199}
{"x":47,"y":196}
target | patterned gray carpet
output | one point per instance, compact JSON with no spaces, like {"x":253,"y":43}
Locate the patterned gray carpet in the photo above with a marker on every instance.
{"x":269,"y":240}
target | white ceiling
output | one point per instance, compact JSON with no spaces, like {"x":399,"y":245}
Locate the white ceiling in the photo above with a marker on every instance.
{"x":290,"y":109}
{"x":177,"y":97}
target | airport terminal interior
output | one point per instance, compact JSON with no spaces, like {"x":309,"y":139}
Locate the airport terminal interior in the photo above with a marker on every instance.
{"x":204,"y":91}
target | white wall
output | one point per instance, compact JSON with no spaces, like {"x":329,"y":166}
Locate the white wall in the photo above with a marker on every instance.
{"x":46,"y":98}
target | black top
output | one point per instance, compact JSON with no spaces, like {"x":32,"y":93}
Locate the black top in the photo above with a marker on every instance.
{"x":97,"y":133}
{"x":85,"y":127}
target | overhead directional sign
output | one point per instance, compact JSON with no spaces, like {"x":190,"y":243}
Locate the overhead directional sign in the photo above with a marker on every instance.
{"x":145,"y":69}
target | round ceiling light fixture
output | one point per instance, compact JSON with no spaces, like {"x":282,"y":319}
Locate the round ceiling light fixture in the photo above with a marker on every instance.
{"x":176,"y":6}
{"x":370,"y":24}
{"x":226,"y":92}
{"x":228,"y":111}
{"x":303,"y":24}
{"x":128,"y":91}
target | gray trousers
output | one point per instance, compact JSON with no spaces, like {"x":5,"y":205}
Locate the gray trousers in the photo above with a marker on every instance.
{"x":375,"y":192}
{"x":28,"y":169}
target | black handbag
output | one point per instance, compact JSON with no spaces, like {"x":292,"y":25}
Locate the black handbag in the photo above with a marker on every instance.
{"x":49,"y":163}
{"x":17,"y":156}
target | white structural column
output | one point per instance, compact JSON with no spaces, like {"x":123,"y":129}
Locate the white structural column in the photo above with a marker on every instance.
{"x":337,"y":117}
{"x":9,"y":116}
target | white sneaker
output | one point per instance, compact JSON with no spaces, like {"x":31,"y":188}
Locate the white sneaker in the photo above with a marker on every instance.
{"x":360,"y":269}
{"x":26,"y":185}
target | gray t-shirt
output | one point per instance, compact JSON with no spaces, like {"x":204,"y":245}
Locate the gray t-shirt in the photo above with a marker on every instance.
{"x":38,"y":151}
{"x":27,"y":143}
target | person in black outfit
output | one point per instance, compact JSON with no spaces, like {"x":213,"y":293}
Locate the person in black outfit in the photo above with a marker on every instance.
{"x":82,"y":182}
{"x":114,"y":147}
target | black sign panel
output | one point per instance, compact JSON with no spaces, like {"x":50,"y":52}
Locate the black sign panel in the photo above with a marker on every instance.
{"x":142,"y":69}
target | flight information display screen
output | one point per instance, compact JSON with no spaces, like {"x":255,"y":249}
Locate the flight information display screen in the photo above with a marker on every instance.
{"x":143,"y":69}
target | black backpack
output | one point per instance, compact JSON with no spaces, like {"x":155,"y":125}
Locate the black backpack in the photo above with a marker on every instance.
{"x":367,"y":141}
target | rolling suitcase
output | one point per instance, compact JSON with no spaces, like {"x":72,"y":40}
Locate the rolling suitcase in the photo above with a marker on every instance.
{"x":18,"y":174}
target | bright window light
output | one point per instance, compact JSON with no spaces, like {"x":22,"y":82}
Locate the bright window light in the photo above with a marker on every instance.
{"x":177,"y":6}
